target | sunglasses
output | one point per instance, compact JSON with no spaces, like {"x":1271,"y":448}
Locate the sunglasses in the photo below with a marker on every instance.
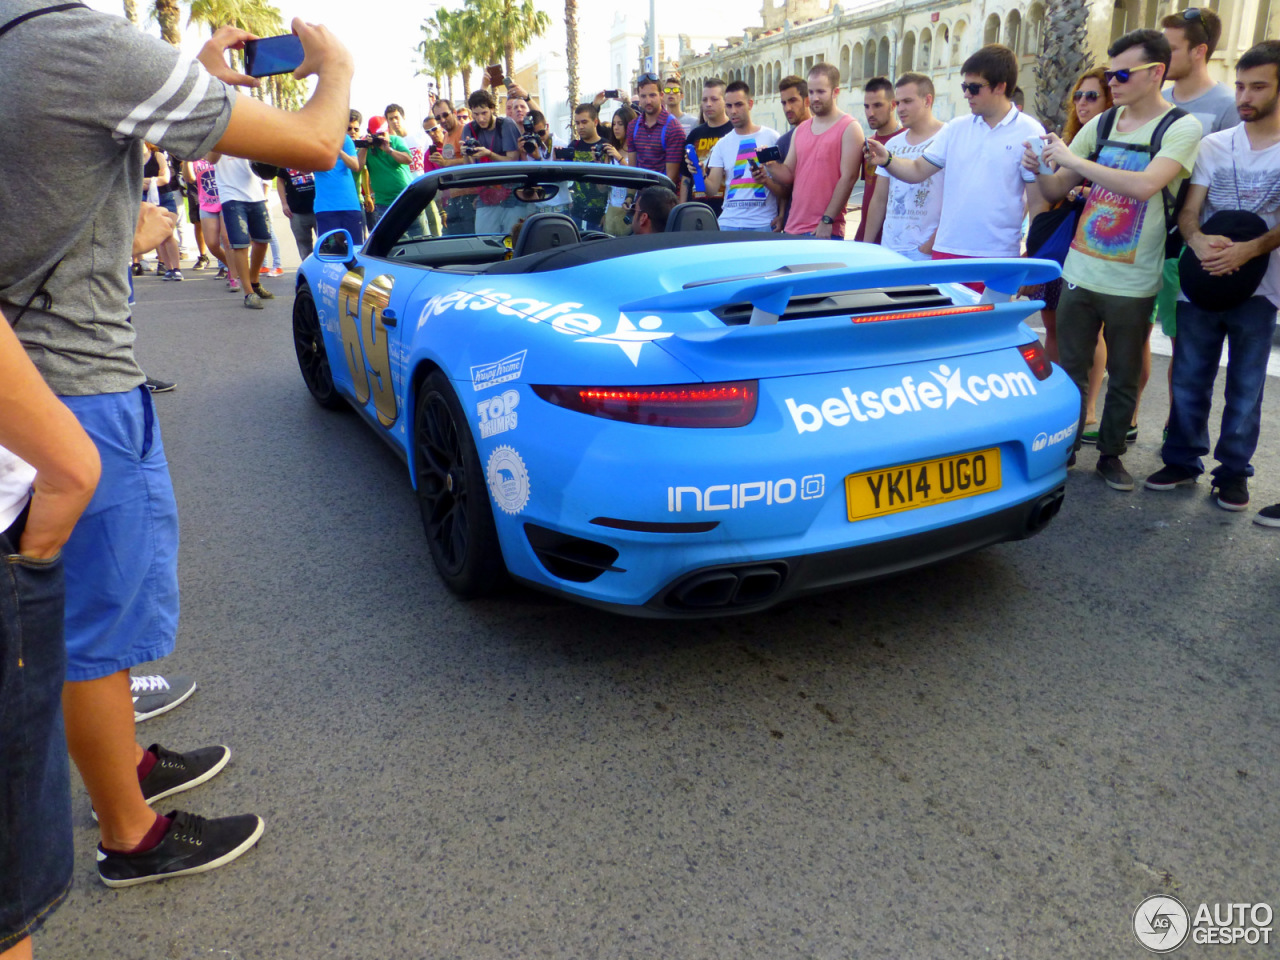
{"x":670,"y":89}
{"x":1123,"y":76}
{"x":1191,"y":13}
{"x":1090,"y":95}
{"x":973,"y":89}
{"x":648,"y":78}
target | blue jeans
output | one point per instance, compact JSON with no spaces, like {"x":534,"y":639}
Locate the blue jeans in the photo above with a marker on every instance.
{"x":35,"y":779}
{"x":1247,"y":329}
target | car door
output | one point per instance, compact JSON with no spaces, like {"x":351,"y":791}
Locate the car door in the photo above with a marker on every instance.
{"x":371,"y":303}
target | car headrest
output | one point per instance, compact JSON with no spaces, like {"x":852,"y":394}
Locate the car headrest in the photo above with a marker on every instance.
{"x":544,"y":231}
{"x":691,"y":216}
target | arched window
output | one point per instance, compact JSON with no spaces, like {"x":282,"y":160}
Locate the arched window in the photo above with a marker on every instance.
{"x":957,"y":44}
{"x":777,"y":71}
{"x":855,"y":65}
{"x":845,"y":65}
{"x":882,"y":62}
{"x":1013,"y":31}
{"x":1033,"y":34}
{"x":907,"y":59}
{"x":943,"y":45}
{"x":869,"y":60}
{"x":926,"y":46}
{"x":991,"y":31}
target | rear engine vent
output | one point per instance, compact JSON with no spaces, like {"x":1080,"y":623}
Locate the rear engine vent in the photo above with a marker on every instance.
{"x":570,"y":558}
{"x":849,"y":303}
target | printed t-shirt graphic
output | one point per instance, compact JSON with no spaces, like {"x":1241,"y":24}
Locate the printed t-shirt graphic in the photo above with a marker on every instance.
{"x":1111,"y":223}
{"x":746,"y":203}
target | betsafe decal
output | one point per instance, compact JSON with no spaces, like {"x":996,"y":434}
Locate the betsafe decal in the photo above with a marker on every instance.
{"x":907,"y":397}
{"x":568,"y":318}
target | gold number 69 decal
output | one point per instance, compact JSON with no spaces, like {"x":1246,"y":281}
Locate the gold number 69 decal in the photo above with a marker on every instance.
{"x":365,"y":343}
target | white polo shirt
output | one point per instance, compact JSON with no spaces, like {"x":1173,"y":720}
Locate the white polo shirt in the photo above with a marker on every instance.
{"x":984,"y":203}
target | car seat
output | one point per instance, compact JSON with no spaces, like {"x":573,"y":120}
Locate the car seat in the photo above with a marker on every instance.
{"x":544,"y":231}
{"x":691,"y":216}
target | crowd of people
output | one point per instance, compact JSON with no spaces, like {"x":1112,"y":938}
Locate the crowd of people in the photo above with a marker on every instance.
{"x":1155,"y":156}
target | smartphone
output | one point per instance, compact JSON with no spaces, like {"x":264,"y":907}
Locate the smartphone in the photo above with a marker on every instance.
{"x":272,"y":55}
{"x":563,"y":153}
{"x":768,"y":155}
{"x":508,"y":82}
{"x":494,"y":70}
{"x":612,"y":95}
{"x":1037,"y":147}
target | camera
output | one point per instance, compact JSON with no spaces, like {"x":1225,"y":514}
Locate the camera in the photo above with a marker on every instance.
{"x":470,"y":146}
{"x":529,"y":141}
{"x":597,"y":150}
{"x":563,"y":153}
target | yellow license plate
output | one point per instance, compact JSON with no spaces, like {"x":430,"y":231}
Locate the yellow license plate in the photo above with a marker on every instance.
{"x":880,"y":492}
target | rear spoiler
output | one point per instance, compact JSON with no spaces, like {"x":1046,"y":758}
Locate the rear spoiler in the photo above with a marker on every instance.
{"x":769,"y":294}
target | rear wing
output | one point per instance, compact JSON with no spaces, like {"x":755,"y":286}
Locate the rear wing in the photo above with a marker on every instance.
{"x":770,"y":293}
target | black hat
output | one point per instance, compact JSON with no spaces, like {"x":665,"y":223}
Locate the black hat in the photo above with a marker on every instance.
{"x":1225,"y":292}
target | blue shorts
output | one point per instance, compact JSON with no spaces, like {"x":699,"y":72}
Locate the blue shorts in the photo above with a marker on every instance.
{"x":122,"y":558}
{"x":246,"y":222}
{"x":350,"y":220}
{"x":35,"y":779}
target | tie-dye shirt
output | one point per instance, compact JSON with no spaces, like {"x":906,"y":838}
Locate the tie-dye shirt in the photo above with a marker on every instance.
{"x":747,"y":205}
{"x":1119,"y":244}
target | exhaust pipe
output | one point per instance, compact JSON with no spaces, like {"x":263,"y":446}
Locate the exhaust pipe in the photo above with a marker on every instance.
{"x":1045,"y":509}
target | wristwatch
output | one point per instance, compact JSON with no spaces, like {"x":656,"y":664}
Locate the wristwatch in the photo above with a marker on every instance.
{"x":887,"y":160}
{"x":827,"y":220}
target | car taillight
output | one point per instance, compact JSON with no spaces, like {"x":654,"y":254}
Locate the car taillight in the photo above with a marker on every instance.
{"x":931,"y":312}
{"x":668,"y":405}
{"x":1036,"y":359}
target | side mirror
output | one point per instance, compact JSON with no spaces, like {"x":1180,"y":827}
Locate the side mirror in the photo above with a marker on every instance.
{"x":336,"y":246}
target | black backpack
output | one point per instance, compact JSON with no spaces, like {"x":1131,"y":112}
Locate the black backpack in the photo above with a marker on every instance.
{"x":1172,"y":204}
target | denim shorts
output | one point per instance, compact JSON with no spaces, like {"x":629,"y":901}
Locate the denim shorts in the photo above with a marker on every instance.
{"x":35,"y":777}
{"x":246,"y":222}
{"x":122,"y":558}
{"x":350,"y":220}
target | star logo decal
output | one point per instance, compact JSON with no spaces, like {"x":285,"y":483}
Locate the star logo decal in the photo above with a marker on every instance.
{"x":951,"y":381}
{"x":629,"y":338}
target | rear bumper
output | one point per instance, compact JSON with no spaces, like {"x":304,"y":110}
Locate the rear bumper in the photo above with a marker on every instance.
{"x":730,"y":589}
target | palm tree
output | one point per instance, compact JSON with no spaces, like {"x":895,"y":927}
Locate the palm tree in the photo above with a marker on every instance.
{"x":167,"y":14}
{"x":571,"y":50}
{"x":1064,"y":55}
{"x":439,"y":57}
{"x":503,"y":27}
{"x":131,"y":11}
{"x":258,"y":17}
{"x":459,"y":43}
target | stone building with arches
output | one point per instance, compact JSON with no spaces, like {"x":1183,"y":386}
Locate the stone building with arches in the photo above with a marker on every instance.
{"x":868,"y":38}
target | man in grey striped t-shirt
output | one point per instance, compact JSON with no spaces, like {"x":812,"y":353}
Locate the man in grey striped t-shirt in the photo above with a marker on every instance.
{"x":86,"y":89}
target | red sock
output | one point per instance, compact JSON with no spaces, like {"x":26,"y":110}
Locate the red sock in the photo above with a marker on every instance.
{"x":154,"y":835}
{"x":152,"y":838}
{"x":146,"y":763}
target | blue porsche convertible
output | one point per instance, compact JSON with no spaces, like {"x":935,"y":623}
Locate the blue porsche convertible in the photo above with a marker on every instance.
{"x":685,"y":423}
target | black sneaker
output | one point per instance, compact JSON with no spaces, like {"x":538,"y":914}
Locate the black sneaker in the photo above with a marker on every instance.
{"x":263,"y":292}
{"x":137,"y":269}
{"x":222,"y":272}
{"x":1233,"y":493}
{"x":1112,"y":470}
{"x":178,"y":772}
{"x":1268,"y":516}
{"x":202,"y":261}
{"x":191,"y":845}
{"x":1168,"y":477}
{"x":159,"y":386}
{"x":154,"y":694}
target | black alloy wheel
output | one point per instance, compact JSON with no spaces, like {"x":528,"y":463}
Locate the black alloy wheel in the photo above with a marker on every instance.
{"x":308,"y":343}
{"x":452,"y":494}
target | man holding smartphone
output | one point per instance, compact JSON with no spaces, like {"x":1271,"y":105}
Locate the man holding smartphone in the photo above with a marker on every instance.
{"x":750,"y":194}
{"x":63,"y":280}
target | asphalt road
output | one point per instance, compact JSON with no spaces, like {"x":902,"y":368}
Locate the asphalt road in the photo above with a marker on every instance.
{"x":999,"y":757}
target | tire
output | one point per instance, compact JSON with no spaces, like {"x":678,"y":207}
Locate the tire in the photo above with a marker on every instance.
{"x":313,"y":361}
{"x":453,"y":497}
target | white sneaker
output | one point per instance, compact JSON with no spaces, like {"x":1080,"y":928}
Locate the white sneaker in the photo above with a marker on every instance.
{"x":154,"y":694}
